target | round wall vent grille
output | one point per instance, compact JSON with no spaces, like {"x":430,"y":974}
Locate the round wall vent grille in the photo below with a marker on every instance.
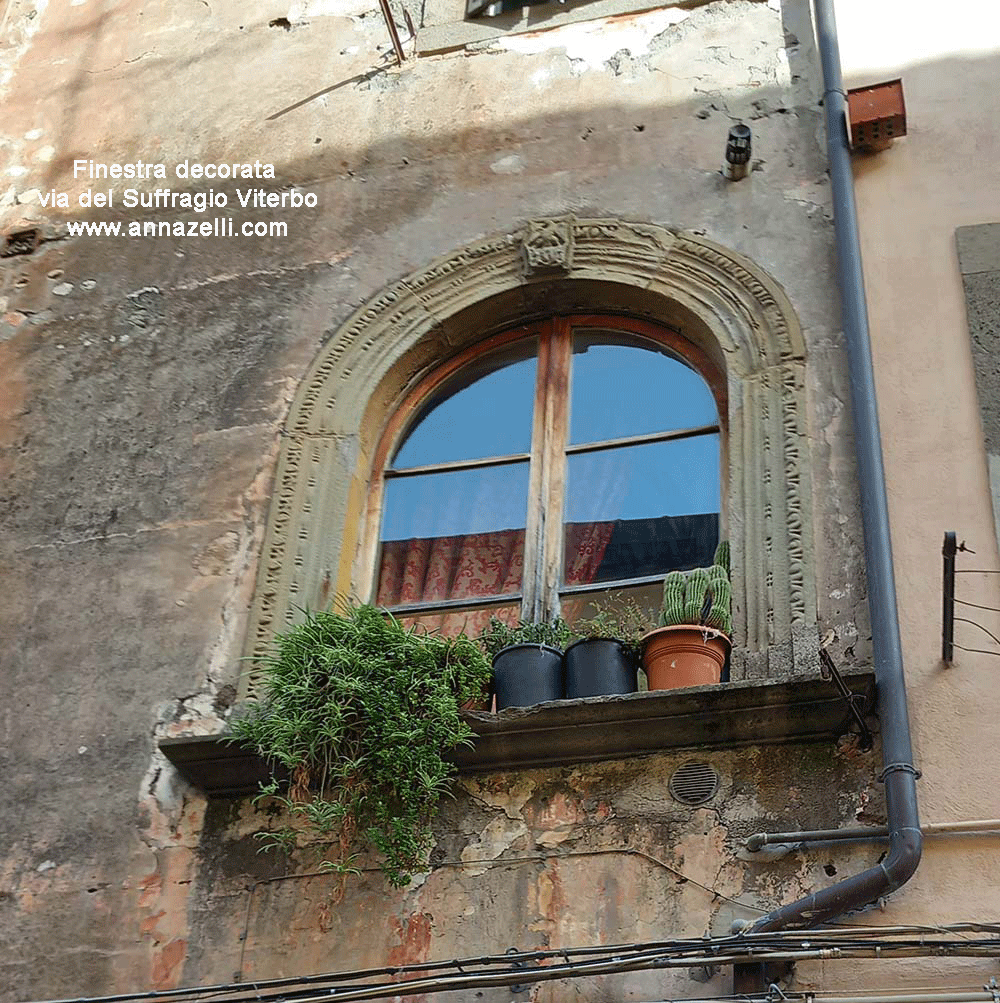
{"x":694,"y":783}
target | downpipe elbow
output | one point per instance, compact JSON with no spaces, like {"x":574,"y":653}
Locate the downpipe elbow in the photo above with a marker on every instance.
{"x":906,"y":847}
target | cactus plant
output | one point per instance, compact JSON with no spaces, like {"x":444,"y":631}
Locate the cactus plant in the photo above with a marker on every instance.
{"x":697,"y":595}
{"x":719,"y":613}
{"x":674,"y":587}
{"x":699,"y":600}
{"x":722,"y":556}
{"x":701,"y":596}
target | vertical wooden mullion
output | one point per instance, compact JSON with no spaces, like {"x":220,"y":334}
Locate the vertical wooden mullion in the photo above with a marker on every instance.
{"x":532,"y":604}
{"x":557,"y":436}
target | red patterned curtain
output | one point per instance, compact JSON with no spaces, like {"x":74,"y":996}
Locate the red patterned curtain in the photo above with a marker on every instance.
{"x":585,"y":546}
{"x":452,"y":567}
{"x":477,"y":565}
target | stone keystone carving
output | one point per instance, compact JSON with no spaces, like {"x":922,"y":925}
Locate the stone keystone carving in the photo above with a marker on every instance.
{"x":547,"y":245}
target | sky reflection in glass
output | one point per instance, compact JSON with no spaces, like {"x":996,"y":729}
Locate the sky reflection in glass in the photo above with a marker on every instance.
{"x":623,"y":390}
{"x":676,"y":477}
{"x":490,"y":416}
{"x":455,"y":503}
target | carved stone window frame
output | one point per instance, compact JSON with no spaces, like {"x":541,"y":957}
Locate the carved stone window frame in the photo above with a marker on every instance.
{"x":314,"y":543}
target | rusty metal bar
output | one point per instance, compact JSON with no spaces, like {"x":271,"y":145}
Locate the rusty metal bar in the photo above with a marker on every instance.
{"x":948,"y":551}
{"x":830,"y":671}
{"x":393,"y":34}
{"x":449,"y":466}
{"x":471,"y":603}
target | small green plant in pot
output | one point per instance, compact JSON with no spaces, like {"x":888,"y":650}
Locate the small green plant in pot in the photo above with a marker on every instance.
{"x":360,"y":711}
{"x":692,"y":643}
{"x":605,"y":659}
{"x":527,"y":660}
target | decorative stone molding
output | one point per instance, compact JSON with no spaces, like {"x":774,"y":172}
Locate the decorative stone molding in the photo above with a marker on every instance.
{"x":547,"y":245}
{"x":729,"y":306}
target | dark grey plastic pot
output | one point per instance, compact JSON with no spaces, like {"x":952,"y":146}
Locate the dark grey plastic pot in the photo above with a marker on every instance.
{"x":526,"y":674}
{"x":599,"y":666}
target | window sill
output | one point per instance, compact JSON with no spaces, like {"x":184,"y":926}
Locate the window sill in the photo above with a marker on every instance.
{"x":598,"y":728}
{"x":451,"y":35}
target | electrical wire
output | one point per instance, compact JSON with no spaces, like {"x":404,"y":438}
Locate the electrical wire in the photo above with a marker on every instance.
{"x":508,"y":969}
{"x":615,"y":964}
{"x":959,"y":619}
{"x":975,"y":651}
{"x":975,"y":605}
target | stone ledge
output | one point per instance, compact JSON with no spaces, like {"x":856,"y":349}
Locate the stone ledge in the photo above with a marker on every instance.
{"x":458,"y":33}
{"x":449,"y":30}
{"x":563,"y":732}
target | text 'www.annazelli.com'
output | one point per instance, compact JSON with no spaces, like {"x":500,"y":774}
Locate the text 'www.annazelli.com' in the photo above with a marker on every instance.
{"x":219,"y":226}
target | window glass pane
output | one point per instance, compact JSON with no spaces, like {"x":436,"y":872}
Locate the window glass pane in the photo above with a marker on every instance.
{"x":486,"y":411}
{"x":641,"y":510}
{"x":638,"y":604}
{"x":469,"y":620}
{"x":453,"y":535}
{"x":620,"y":390}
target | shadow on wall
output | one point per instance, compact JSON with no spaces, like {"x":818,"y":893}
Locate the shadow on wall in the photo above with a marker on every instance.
{"x":146,"y":401}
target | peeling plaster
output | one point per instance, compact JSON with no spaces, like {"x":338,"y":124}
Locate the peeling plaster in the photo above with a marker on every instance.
{"x":512,"y":164}
{"x":494,"y":840}
{"x":510,"y":798}
{"x":19,"y":39}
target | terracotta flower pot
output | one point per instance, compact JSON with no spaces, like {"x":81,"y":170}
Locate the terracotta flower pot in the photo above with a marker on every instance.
{"x":684,"y":655}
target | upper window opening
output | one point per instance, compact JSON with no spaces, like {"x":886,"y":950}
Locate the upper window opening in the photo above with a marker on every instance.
{"x":580,"y":461}
{"x":622,"y":389}
{"x":494,"y":8}
{"x":462,"y":421}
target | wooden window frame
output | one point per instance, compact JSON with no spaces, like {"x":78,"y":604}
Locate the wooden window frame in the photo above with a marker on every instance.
{"x":541,"y":585}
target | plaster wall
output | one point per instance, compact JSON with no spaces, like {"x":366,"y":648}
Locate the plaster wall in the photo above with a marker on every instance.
{"x":911,"y":199}
{"x":143,"y":385}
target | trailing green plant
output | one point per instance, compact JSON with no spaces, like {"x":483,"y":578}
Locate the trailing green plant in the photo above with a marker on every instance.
{"x":499,"y":634}
{"x":701,"y":596}
{"x":360,"y":709}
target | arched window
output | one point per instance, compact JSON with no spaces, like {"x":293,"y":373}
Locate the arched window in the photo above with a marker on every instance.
{"x":716,"y":313}
{"x":561,"y":462}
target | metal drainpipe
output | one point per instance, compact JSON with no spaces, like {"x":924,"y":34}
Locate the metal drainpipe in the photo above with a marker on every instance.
{"x":898,"y":771}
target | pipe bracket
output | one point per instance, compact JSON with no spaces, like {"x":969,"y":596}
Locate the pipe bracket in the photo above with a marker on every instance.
{"x":899,"y":768}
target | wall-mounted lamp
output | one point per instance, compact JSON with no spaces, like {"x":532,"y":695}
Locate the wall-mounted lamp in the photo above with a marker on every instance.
{"x":737,"y":162}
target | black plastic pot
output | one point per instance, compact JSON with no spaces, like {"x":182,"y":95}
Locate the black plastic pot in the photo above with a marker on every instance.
{"x":599,"y":666}
{"x":526,"y":674}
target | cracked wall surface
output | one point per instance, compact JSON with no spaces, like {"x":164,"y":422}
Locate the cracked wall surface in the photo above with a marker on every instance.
{"x":143,"y":387}
{"x":548,"y":858}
